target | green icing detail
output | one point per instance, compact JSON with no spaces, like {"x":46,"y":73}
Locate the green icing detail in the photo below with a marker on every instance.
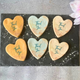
{"x":17,"y":48}
{"x":61,"y":25}
{"x":37,"y":47}
{"x":13,"y":25}
{"x":57,"y":48}
{"x":38,"y":23}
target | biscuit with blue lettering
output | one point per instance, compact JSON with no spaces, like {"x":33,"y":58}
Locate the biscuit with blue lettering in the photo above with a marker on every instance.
{"x":56,"y":49}
{"x":15,"y":26}
{"x":60,"y":26}
{"x":37,"y":48}
{"x":38,"y":25}
{"x":18,"y":50}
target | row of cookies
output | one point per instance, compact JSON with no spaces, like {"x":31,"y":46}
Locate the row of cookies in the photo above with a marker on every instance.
{"x":37,"y":25}
{"x":37,"y":48}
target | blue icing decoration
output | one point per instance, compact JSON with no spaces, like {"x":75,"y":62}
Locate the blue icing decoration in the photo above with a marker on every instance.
{"x":16,"y":49}
{"x":37,"y":47}
{"x":56,"y":52}
{"x":60,"y":28}
{"x":61,"y":25}
{"x":38,"y":23}
{"x":13,"y":25}
{"x":57,"y":48}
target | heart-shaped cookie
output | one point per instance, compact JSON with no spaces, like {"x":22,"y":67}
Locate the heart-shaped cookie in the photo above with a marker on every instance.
{"x":15,"y":26}
{"x":38,"y":26}
{"x":17,"y":51}
{"x":56,"y":49}
{"x":37,"y":48}
{"x":60,"y":26}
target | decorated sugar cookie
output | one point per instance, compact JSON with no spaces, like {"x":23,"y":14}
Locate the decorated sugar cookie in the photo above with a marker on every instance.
{"x":37,"y":48}
{"x":18,"y":50}
{"x":38,"y":25}
{"x":15,"y":26}
{"x":60,"y":26}
{"x":56,"y":49}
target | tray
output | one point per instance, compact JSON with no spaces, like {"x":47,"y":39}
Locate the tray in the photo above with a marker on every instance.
{"x":71,"y":58}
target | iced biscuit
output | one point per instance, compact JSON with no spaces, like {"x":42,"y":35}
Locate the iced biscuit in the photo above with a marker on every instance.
{"x":37,"y":48}
{"x":60,"y":26}
{"x":56,"y":49}
{"x":18,"y":50}
{"x":15,"y":26}
{"x":38,"y":25}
